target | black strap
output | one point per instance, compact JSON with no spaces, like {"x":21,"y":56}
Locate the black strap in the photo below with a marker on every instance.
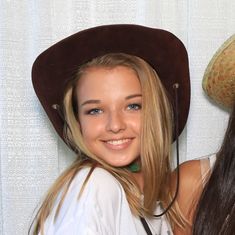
{"x":146,"y":227}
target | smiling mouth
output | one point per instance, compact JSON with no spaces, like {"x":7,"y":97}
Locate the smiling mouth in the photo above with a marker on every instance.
{"x":118,"y":144}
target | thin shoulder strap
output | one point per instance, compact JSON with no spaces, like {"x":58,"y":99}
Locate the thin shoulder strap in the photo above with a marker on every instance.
{"x":205,"y":170}
{"x":212,"y":160}
{"x":207,"y":165}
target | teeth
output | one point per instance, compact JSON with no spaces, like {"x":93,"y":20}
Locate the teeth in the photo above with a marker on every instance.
{"x":117,"y":142}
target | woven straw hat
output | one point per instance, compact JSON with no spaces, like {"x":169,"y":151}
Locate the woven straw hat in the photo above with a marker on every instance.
{"x":219,"y":78}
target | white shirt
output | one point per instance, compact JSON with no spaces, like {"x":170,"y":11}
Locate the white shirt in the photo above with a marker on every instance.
{"x":102,"y":209}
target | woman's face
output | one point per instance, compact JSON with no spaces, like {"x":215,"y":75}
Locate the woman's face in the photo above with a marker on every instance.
{"x":109,"y":104}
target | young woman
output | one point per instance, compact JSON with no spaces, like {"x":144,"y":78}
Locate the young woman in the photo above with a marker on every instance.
{"x":114,"y":112}
{"x":216,"y":209}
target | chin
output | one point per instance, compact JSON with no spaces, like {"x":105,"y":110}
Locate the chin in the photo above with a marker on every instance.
{"x":121,"y":164}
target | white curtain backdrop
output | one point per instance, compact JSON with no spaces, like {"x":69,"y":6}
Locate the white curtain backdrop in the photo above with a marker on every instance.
{"x":31,"y":153}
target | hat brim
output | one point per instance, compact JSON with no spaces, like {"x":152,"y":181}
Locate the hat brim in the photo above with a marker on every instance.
{"x":161,"y":49}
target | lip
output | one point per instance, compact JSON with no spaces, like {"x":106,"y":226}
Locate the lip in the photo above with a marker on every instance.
{"x":118,"y":144}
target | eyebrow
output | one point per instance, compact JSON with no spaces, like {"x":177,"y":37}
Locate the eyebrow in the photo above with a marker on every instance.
{"x":133,"y":96}
{"x":99,"y":101}
{"x":90,"y":102}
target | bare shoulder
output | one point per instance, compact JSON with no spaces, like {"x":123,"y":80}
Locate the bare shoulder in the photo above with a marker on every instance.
{"x":190,"y":185}
{"x":190,"y":175}
{"x":190,"y":188}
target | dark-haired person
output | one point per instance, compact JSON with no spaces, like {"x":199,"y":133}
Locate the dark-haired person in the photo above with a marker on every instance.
{"x":215,"y":213}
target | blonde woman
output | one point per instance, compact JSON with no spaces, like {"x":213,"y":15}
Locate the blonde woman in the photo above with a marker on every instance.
{"x":112,"y":108}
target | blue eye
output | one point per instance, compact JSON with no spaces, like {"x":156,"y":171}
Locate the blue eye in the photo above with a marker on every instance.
{"x":94,"y":111}
{"x":134,"y":106}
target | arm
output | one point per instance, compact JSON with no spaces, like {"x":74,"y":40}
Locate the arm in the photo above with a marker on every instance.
{"x":190,"y":188}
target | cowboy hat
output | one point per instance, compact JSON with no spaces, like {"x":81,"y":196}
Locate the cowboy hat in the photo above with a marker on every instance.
{"x":161,"y":49}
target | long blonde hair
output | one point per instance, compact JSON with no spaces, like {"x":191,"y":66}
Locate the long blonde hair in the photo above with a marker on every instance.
{"x":156,"y":139}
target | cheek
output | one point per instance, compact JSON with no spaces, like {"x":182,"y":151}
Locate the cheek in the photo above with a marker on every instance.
{"x":135,"y":122}
{"x":87,"y":132}
{"x":90,"y":128}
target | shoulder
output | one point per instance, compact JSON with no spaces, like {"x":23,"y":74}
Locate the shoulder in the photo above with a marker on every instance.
{"x":190,"y":187}
{"x":192,"y":177}
{"x":190,"y":174}
{"x":101,"y":187}
{"x":99,"y":177}
{"x":105,"y":202}
{"x":189,"y":191}
{"x":94,"y":206}
{"x":95,"y":200}
{"x":195,"y":173}
{"x":190,"y":181}
{"x":103,"y":180}
{"x":94,"y":187}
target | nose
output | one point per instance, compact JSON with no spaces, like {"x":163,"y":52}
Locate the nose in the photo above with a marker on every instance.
{"x":116,"y":122}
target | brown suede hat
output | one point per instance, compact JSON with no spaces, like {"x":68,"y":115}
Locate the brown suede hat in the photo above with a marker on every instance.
{"x":161,"y":49}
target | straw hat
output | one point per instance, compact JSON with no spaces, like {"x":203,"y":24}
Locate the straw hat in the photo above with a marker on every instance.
{"x":219,"y":78}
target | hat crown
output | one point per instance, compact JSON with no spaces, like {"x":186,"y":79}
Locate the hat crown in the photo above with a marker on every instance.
{"x":219,"y":78}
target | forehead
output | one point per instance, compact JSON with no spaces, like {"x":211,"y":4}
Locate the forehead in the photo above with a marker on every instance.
{"x":102,"y":81}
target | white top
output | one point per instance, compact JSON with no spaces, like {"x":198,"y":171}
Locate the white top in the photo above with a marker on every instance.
{"x":101,"y":209}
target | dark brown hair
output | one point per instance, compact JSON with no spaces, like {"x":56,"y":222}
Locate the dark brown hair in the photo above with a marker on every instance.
{"x":215,"y":214}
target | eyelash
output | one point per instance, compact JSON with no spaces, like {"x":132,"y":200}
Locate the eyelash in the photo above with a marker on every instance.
{"x":97,"y":111}
{"x":94,"y":111}
{"x":134,"y":106}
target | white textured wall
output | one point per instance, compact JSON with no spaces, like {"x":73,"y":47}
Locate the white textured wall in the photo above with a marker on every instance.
{"x":31,"y":154}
